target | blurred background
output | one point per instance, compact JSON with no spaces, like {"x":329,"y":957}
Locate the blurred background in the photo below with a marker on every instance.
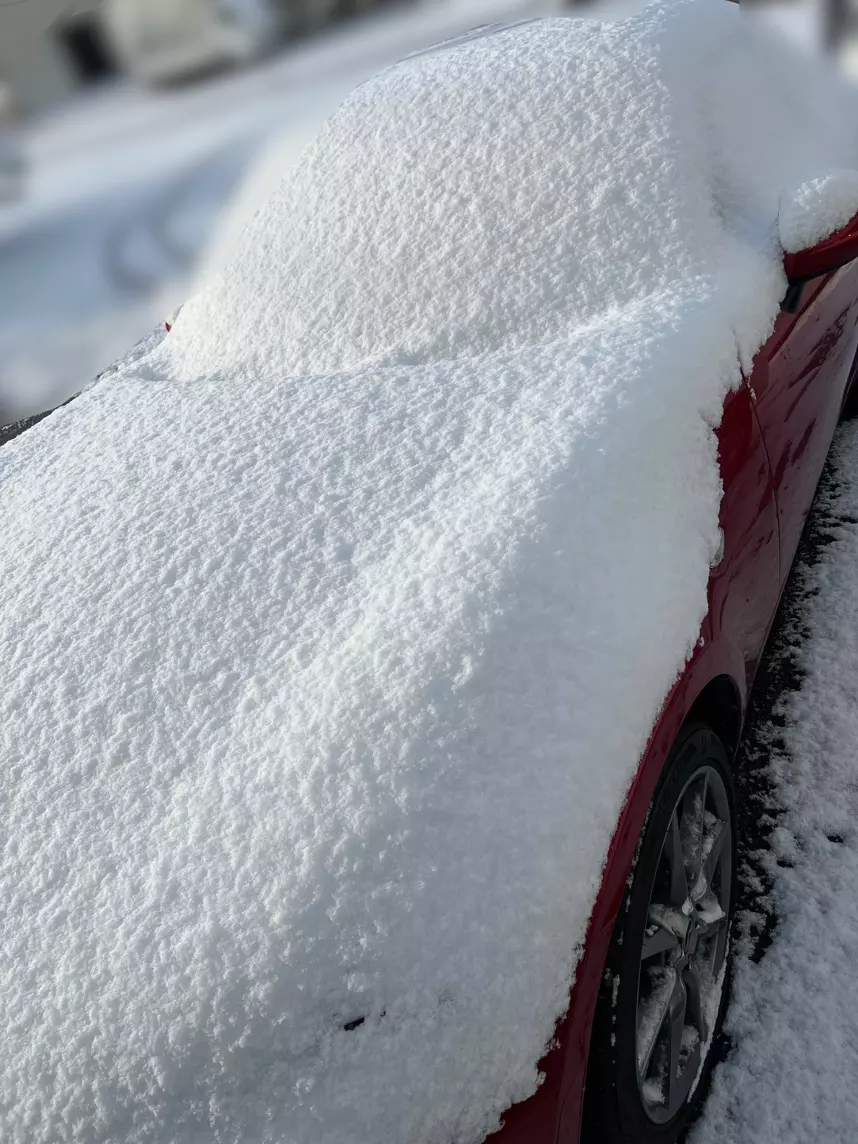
{"x":137,"y":136}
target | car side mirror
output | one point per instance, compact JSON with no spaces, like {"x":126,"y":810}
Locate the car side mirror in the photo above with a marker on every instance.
{"x":818,"y":226}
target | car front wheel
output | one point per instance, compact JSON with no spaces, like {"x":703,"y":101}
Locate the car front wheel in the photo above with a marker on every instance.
{"x":665,"y":983}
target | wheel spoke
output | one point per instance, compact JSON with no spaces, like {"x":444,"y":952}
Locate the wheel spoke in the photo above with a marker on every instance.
{"x":662,"y":940}
{"x":702,"y":831}
{"x":651,"y":1018}
{"x":678,"y":1083}
{"x":712,"y":854}
{"x":694,"y":993}
{"x":676,"y":863}
{"x":694,"y":822}
{"x":710,"y":957}
{"x":708,"y":929}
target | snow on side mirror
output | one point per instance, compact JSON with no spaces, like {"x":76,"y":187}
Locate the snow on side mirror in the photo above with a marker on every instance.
{"x":818,"y":224}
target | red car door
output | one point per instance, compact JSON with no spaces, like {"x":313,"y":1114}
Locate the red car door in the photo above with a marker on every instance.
{"x":798,"y":383}
{"x":744,"y":584}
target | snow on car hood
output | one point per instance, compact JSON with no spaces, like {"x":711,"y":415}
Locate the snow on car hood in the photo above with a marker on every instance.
{"x":333,"y":628}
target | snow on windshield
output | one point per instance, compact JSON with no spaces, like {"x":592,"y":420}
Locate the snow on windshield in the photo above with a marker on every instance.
{"x":336,"y":625}
{"x":467,"y":201}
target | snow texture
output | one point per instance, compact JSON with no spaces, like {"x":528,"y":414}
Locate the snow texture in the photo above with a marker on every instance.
{"x":817,"y":209}
{"x":334,"y":627}
{"x":792,"y":1018}
{"x":122,"y":183}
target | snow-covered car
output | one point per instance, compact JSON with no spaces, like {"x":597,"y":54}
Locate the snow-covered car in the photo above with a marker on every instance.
{"x":375,"y":645}
{"x":160,"y":41}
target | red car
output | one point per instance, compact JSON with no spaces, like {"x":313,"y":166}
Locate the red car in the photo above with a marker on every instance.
{"x":659,"y":930}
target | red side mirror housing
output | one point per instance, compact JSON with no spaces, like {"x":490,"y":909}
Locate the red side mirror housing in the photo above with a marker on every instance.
{"x":830,"y":254}
{"x":833,"y":252}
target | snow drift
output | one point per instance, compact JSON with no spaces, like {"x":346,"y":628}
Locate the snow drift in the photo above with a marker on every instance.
{"x":334,"y":628}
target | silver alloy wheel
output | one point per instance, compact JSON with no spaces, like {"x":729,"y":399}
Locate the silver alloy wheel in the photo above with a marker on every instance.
{"x":684,"y":951}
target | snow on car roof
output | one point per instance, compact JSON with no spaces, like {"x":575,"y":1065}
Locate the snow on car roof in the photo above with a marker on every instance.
{"x":335,"y":626}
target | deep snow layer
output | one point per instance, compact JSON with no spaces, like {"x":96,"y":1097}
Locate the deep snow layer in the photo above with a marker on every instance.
{"x":333,"y":629}
{"x":792,"y":1017}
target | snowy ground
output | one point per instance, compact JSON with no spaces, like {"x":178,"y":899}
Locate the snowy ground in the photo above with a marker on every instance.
{"x":789,"y":1077}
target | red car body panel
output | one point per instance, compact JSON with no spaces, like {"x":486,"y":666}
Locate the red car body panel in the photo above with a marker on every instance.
{"x":773,"y":440}
{"x":798,"y":385}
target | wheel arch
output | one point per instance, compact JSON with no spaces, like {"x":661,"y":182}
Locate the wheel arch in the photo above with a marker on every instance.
{"x":719,"y":706}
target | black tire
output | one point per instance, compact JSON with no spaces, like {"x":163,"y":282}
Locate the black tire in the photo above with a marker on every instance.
{"x":632,"y":1103}
{"x":850,"y":403}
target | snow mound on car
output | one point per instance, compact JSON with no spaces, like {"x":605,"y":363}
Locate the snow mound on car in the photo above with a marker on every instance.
{"x":333,"y":630}
{"x":816,"y":209}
